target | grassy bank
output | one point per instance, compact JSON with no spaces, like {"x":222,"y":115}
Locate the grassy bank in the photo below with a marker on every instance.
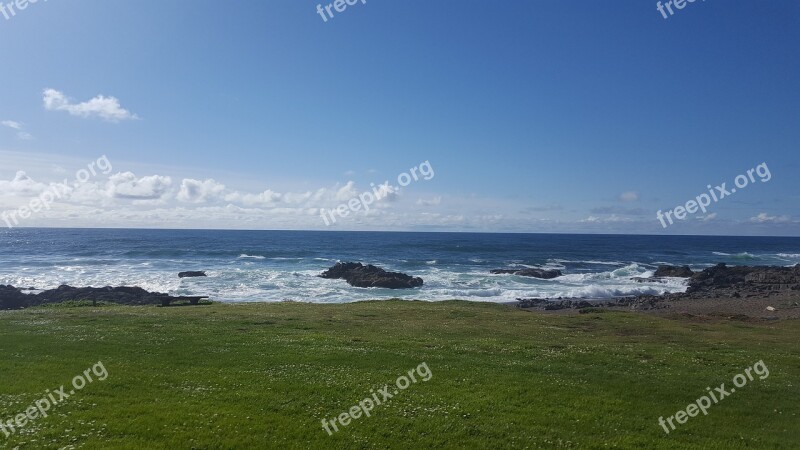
{"x":264,"y":375}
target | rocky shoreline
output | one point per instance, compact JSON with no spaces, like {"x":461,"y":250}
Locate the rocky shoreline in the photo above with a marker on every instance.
{"x":356,"y":274}
{"x":15,"y":298}
{"x":735,"y":290}
{"x":764,"y":291}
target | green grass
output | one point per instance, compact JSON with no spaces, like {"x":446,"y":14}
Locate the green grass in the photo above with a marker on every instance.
{"x":76,"y":304}
{"x":264,"y":375}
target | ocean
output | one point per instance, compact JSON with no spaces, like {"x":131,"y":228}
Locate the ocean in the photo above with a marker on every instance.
{"x":250,"y":266}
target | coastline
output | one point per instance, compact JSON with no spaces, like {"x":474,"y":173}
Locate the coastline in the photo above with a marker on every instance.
{"x":734,"y":292}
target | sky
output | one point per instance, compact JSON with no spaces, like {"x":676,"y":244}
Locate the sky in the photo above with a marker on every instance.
{"x":527,"y":116}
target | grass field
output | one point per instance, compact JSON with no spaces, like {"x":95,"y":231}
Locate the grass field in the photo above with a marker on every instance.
{"x":265,"y":375}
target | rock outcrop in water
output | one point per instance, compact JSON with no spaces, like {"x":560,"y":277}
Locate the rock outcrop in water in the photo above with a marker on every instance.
{"x":13,"y":298}
{"x":359,"y":275}
{"x":744,"y":278}
{"x":192,"y":274}
{"x":718,"y":282}
{"x":545,"y":274}
{"x":673,"y":271}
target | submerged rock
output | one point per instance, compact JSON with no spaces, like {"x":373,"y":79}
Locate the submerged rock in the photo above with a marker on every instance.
{"x":359,"y":275}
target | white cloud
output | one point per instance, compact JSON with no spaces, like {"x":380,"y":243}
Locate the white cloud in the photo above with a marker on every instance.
{"x":766,"y":218}
{"x":21,"y":185}
{"x":196,"y":191}
{"x":629,"y":196}
{"x":130,"y":200}
{"x":387,"y":193}
{"x":296,"y":198}
{"x":106,"y":108}
{"x":126,"y":186}
{"x":613,"y":218}
{"x":266,"y":198}
{"x":347,"y":192}
{"x":14,"y":125}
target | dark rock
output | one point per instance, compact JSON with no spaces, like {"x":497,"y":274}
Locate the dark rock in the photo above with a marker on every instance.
{"x":359,"y":275}
{"x":192,"y":274}
{"x":556,"y":306}
{"x":552,"y":305}
{"x":545,"y":274}
{"x":721,"y":282}
{"x":674,"y":271}
{"x":758,"y":278}
{"x":12,"y":298}
{"x":719,"y":276}
{"x":123,"y":295}
{"x":531,"y":302}
{"x":774,"y":275}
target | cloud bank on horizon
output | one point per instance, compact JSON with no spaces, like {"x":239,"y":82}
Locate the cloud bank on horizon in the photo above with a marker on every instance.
{"x":124,"y":199}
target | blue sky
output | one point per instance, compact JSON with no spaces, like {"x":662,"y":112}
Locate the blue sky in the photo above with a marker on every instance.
{"x":538,"y":116}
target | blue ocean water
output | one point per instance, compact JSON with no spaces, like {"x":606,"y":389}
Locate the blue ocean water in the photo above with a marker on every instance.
{"x":283,"y":265}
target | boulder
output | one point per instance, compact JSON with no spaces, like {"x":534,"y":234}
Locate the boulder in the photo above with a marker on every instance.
{"x":359,"y":275}
{"x":13,"y":298}
{"x":545,"y":274}
{"x":775,"y":275}
{"x":192,"y":274}
{"x":674,"y":271}
{"x":762,"y":278}
{"x":124,"y":295}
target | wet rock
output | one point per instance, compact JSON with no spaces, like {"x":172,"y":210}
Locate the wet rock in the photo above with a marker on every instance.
{"x":12,"y":298}
{"x":673,"y":271}
{"x":545,"y":274}
{"x":359,"y":275}
{"x":192,"y":274}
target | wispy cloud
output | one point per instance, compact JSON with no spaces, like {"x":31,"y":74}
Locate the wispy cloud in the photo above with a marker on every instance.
{"x":766,"y":218}
{"x":620,"y":211}
{"x":106,"y":108}
{"x":630,"y":196}
{"x":435,"y":201}
{"x":18,"y":126}
{"x":12,"y":124}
